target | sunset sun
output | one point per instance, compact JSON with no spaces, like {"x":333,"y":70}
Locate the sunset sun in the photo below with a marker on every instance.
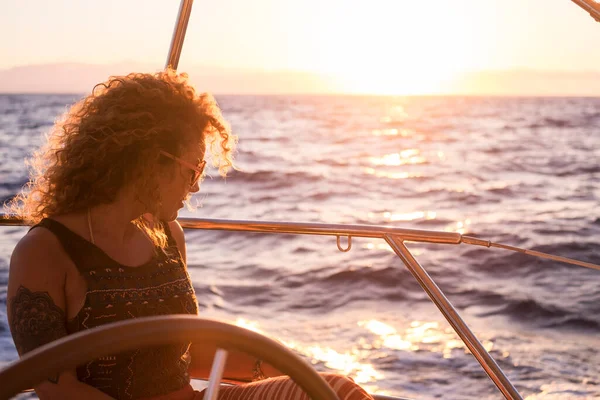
{"x":397,"y":47}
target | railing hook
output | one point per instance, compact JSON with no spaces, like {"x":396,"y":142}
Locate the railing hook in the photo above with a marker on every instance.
{"x":339,"y":246}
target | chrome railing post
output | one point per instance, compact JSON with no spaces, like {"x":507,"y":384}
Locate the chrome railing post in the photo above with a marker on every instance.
{"x":185,"y":9}
{"x":460,"y":327}
{"x":591,"y":6}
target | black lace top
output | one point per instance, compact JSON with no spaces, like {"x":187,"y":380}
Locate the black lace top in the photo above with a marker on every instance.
{"x":117,"y":292}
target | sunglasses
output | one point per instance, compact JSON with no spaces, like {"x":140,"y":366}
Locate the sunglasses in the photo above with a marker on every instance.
{"x":198,"y":169}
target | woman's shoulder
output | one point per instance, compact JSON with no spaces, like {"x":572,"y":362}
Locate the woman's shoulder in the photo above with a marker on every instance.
{"x":38,"y":263}
{"x":39,"y":249}
{"x":38,"y":241}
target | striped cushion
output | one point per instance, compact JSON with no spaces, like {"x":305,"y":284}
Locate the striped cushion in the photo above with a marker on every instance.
{"x":283,"y":388}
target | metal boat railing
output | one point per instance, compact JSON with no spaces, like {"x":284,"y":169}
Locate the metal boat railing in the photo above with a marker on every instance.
{"x":395,"y":237}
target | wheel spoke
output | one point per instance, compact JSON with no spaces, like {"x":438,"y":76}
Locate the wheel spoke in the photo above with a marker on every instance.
{"x":216,"y":374}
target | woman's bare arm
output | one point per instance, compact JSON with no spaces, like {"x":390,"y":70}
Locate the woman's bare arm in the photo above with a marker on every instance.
{"x":239,"y":366}
{"x":36,"y":308}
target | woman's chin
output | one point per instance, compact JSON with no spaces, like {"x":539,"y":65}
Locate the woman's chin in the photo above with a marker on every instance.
{"x":169,"y":215}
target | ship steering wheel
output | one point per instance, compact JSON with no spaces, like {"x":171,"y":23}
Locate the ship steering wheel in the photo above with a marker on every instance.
{"x":79,"y":348}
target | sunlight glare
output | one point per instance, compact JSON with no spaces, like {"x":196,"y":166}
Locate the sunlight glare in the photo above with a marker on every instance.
{"x":390,"y":175}
{"x":461,"y":227}
{"x":420,"y":335}
{"x":409,"y":156}
{"x":345,"y":363}
{"x":428,"y":215}
{"x":389,"y":49}
{"x":244,"y":323}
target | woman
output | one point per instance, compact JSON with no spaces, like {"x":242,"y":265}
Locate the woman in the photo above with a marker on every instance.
{"x":106,"y":245}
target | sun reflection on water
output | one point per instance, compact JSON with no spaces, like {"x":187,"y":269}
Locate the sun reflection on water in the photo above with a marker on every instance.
{"x":390,"y":175}
{"x":461,"y":227}
{"x":409,"y":156}
{"x":250,"y":325}
{"x":347,"y":363}
{"x":410,"y":216}
{"x":393,"y":132}
{"x":419,"y":336}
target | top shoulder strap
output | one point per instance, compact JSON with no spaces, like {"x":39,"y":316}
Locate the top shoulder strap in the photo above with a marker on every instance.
{"x":170,"y":239}
{"x":76,"y":247}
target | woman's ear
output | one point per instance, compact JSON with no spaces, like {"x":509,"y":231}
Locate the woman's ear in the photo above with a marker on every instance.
{"x":166,"y":173}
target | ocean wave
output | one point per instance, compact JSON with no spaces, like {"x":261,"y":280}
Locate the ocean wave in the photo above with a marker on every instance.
{"x":552,"y":123}
{"x":271,"y":177}
{"x":367,"y":276}
{"x":541,"y":315}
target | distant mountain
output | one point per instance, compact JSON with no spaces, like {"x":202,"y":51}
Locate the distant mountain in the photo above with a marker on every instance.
{"x":80,"y":78}
{"x":528,"y":82}
{"x":58,"y":78}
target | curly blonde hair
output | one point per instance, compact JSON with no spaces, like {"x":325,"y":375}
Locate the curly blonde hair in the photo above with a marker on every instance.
{"x":113,"y":138}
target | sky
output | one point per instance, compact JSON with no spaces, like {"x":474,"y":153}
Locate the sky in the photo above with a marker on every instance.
{"x":374,"y":46}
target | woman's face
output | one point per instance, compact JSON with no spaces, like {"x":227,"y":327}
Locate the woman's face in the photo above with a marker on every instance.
{"x":176,"y":183}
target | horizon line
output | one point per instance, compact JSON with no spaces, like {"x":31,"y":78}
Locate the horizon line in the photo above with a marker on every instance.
{"x":74,"y":78}
{"x":288,"y":70}
{"x":341,"y":94}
